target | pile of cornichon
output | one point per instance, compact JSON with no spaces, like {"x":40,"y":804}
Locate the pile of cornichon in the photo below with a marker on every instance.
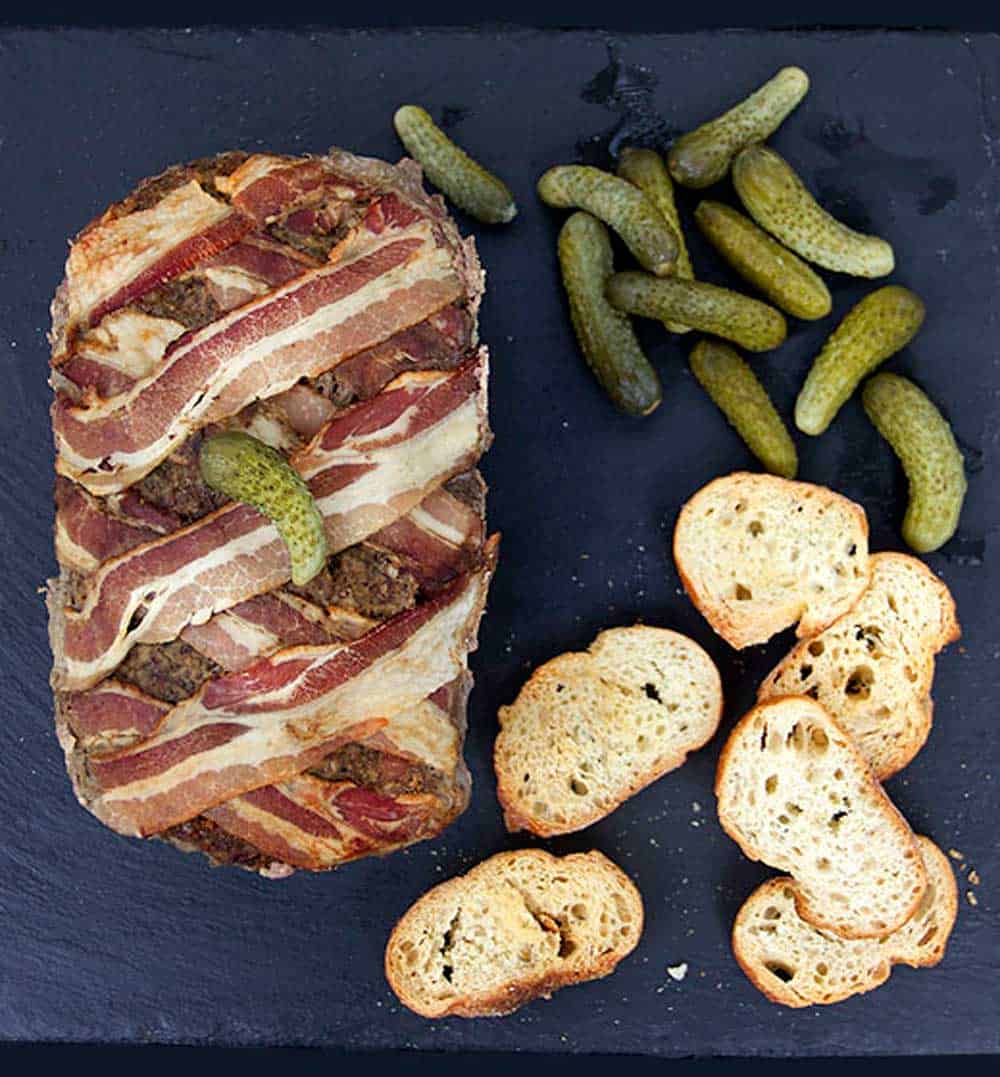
{"x":786,"y":229}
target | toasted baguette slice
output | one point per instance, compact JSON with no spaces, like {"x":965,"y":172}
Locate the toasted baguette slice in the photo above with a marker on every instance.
{"x":757,"y":553}
{"x":872,"y":668}
{"x":587,"y":731}
{"x":796,"y":964}
{"x":795,"y":792}
{"x":518,"y":926}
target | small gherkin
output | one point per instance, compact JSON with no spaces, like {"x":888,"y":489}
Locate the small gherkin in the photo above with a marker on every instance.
{"x":780,"y":203}
{"x":605,"y":335}
{"x":745,"y":321}
{"x":703,"y":156}
{"x":873,"y":330}
{"x":470,"y":186}
{"x":245,"y":469}
{"x":620,"y":205}
{"x":922,"y":439}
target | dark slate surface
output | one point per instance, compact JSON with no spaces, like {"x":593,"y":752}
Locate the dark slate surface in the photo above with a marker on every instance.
{"x":105,"y":939}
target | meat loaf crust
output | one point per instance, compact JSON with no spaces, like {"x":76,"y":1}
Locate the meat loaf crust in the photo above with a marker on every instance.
{"x":364,"y":584}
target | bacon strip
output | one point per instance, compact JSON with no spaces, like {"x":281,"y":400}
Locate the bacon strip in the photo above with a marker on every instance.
{"x":316,"y":824}
{"x":437,"y":540}
{"x":126,"y":346}
{"x":437,"y":343}
{"x":237,"y":638}
{"x":389,"y":282}
{"x":266,"y":187}
{"x":87,"y":534}
{"x":367,"y":468}
{"x":120,"y":258}
{"x":282,"y":715}
{"x":254,"y":266}
{"x":111,"y":715}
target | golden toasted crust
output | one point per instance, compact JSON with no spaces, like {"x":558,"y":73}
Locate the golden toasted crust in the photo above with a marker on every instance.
{"x":615,"y":696}
{"x":889,"y":744}
{"x":893,"y":819}
{"x":747,"y":632}
{"x":508,"y":996}
{"x":920,"y":943}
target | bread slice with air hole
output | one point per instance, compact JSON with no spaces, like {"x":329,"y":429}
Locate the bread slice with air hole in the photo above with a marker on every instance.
{"x":588,"y":730}
{"x":796,"y":964}
{"x":795,"y":792}
{"x":518,"y":926}
{"x":758,"y":553}
{"x":873,"y":667}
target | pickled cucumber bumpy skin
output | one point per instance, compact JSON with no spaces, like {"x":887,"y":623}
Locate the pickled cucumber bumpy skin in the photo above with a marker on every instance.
{"x":605,"y":335}
{"x":466,"y":183}
{"x":734,"y":387}
{"x":747,"y":322}
{"x":645,"y":169}
{"x":247,"y":470}
{"x":619,"y":205}
{"x":876,"y":328}
{"x":771,"y":268}
{"x":703,"y":156}
{"x":922,"y":439}
{"x":780,"y":203}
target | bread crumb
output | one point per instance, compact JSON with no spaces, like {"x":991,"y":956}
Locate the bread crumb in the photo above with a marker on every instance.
{"x":956,"y":855}
{"x":974,"y":877}
{"x":677,"y":972}
{"x":971,"y":898}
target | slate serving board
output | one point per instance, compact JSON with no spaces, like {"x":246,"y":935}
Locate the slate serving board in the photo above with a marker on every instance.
{"x":108,"y":940}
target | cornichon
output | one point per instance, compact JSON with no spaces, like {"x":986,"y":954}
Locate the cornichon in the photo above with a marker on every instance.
{"x":747,"y":322}
{"x":734,"y":387}
{"x":620,"y":205}
{"x":646,"y":170}
{"x":703,"y":156}
{"x":784,"y":278}
{"x":922,"y":439}
{"x":470,"y":186}
{"x":778,"y":201}
{"x":606,"y":338}
{"x":245,"y":469}
{"x":877,"y":327}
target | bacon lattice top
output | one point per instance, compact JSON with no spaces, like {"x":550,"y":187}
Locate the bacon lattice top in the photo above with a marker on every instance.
{"x":328,"y":306}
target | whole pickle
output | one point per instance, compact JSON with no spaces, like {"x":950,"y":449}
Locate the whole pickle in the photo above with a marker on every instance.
{"x":247,"y":470}
{"x":703,"y":156}
{"x":778,"y":201}
{"x":877,"y":327}
{"x":451,"y":169}
{"x":734,"y":387}
{"x":646,"y":170}
{"x":605,"y":335}
{"x":747,"y":322}
{"x":922,"y":439}
{"x":784,"y":278}
{"x":620,"y":205}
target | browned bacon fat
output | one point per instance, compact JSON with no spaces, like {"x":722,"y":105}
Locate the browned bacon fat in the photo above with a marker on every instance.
{"x":327,"y":306}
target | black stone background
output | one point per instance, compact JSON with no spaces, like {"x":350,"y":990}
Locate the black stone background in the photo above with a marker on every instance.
{"x":108,"y":940}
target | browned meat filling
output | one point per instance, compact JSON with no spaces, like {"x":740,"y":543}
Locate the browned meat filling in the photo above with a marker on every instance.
{"x":187,"y":300}
{"x":176,"y":485}
{"x":204,"y":170}
{"x":221,"y":846}
{"x":377,"y":770}
{"x":325,"y":227}
{"x":361,"y":578}
{"x":469,"y":488}
{"x":168,"y":671}
{"x":76,"y":584}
